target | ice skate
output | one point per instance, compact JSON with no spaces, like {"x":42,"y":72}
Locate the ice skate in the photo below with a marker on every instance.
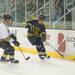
{"x":14,"y":61}
{"x":2,"y":59}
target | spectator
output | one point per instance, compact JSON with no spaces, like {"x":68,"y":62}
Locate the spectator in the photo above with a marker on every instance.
{"x":59,"y":9}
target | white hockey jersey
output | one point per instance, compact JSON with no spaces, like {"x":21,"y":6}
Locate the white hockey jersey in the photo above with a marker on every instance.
{"x":4,"y":31}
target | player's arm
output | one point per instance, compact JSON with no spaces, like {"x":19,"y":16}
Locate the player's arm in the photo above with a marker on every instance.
{"x":15,"y":42}
{"x":43,"y":34}
{"x":28,"y":24}
{"x":10,"y":36}
{"x":30,"y":28}
{"x":13,"y":36}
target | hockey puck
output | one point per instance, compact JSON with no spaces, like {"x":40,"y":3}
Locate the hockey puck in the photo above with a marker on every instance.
{"x":27,"y":58}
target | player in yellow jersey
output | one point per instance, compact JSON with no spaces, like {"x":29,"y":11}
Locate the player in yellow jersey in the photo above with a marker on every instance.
{"x":37,"y":35}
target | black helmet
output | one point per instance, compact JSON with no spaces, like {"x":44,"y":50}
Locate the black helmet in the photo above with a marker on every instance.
{"x":41,"y":17}
{"x":6,"y":16}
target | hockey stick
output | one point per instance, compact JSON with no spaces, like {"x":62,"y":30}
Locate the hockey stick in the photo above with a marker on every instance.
{"x":25,"y":58}
{"x":55,"y":49}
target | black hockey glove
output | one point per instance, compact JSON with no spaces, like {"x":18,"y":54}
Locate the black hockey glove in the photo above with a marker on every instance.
{"x":16,"y":43}
{"x":43,"y":36}
{"x":13,"y":36}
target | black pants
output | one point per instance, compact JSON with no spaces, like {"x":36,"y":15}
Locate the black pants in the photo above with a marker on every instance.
{"x":38,"y":43}
{"x":8,"y":49}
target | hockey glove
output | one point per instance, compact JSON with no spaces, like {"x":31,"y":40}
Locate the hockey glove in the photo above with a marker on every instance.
{"x":13,"y":36}
{"x":43,"y":36}
{"x":16,"y":43}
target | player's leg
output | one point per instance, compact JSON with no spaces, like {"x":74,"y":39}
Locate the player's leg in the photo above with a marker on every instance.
{"x":5,"y":54}
{"x":8,"y":50}
{"x":41,"y":49}
{"x":32,"y":40}
{"x":42,"y":52}
{"x":11,"y":53}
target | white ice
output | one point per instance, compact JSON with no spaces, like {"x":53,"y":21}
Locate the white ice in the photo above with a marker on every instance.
{"x":35,"y":66}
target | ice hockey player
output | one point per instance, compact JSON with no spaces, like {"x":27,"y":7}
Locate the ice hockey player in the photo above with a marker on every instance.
{"x":37,"y":35}
{"x":5,"y":44}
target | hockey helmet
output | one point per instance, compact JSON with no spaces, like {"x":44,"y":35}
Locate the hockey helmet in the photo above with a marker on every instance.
{"x":6,"y":16}
{"x":41,"y":17}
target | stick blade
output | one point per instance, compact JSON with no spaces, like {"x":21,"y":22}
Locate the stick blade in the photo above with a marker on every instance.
{"x":60,"y":53}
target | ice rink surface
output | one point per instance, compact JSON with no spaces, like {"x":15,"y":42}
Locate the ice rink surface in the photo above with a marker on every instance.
{"x":35,"y":66}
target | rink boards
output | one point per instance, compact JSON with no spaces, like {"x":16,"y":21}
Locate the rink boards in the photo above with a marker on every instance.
{"x":61,"y":40}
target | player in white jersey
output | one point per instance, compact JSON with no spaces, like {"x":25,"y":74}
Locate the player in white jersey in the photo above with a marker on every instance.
{"x":5,"y":37}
